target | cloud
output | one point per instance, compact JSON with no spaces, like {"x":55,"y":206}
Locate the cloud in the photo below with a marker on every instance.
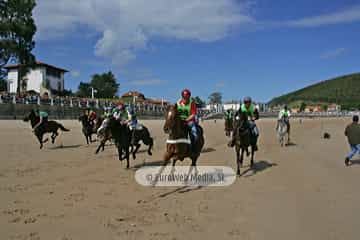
{"x":333,"y":53}
{"x":148,"y":82}
{"x":125,"y":27}
{"x":343,"y":16}
{"x":75,"y":73}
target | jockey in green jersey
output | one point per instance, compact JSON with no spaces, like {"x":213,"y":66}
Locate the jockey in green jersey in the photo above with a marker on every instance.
{"x":248,"y":110}
{"x":43,"y":118}
{"x":187,"y":109}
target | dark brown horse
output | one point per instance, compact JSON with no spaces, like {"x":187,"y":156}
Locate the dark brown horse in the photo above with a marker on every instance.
{"x":87,"y":128}
{"x":178,"y":146}
{"x":243,"y":140}
{"x":143,"y":135}
{"x":122,"y":136}
{"x":46,"y":127}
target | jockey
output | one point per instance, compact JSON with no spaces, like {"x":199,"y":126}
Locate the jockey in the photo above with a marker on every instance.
{"x":107,"y":115}
{"x":187,"y":109}
{"x":284,"y":114}
{"x":252,"y":113}
{"x":43,"y":118}
{"x":120,"y":113}
{"x":133,"y":123}
{"x":91,"y":117}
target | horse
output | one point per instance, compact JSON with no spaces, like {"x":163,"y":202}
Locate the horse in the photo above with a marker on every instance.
{"x":141,"y":134}
{"x":282,"y":131}
{"x":87,"y":129}
{"x":178,"y":146}
{"x":104,"y":135}
{"x":45,"y":127}
{"x":122,"y":136}
{"x":243,"y":140}
{"x":228,"y":126}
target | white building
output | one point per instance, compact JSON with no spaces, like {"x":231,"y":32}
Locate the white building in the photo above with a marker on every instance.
{"x":43,"y":78}
{"x":231,"y":105}
{"x":214,"y":107}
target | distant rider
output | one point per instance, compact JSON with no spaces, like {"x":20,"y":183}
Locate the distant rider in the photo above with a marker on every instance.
{"x":252,"y":113}
{"x":284,"y":114}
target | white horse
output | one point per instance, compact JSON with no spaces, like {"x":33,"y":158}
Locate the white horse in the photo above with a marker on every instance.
{"x":282,"y":131}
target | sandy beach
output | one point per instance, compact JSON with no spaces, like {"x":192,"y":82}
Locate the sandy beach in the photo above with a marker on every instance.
{"x":66,"y":192}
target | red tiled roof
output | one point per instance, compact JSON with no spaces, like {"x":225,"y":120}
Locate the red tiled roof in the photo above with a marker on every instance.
{"x":133,"y":93}
{"x":14,"y":66}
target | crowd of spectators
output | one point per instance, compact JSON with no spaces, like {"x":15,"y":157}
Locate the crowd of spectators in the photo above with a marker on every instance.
{"x":36,"y":99}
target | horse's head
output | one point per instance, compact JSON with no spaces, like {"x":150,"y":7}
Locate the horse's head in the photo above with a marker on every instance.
{"x":32,"y":118}
{"x":171,"y":116}
{"x":242,"y":120}
{"x":82,"y":118}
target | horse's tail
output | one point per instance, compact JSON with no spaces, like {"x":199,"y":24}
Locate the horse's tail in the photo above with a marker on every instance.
{"x":63,"y":128}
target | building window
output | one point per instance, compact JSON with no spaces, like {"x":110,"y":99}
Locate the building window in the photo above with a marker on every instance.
{"x":59,"y":86}
{"x":53,"y":72}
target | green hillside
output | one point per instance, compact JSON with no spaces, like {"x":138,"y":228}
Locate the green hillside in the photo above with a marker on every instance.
{"x":344,"y":90}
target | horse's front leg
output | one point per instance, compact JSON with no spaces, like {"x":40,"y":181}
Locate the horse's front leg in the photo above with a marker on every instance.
{"x":151,"y":144}
{"x":53,"y":137}
{"x":127,"y":156}
{"x":167,"y":157}
{"x":238,"y":161}
{"x":135,"y":151}
{"x":252,"y":156}
{"x":242,"y":156}
{"x":40,"y":137}
{"x":119,"y":148}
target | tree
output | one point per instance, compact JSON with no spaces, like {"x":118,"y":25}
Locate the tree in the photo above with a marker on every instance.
{"x":215,"y":98}
{"x":3,"y":85}
{"x":84,"y":90}
{"x":17,"y":30}
{"x":199,"y":102}
{"x":302,"y":106}
{"x":325,"y":107}
{"x":105,"y":85}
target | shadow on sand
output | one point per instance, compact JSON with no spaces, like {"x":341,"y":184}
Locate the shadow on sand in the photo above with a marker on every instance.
{"x":354,"y":162}
{"x":147,"y":164}
{"x":291,"y":144}
{"x":259,"y":166}
{"x":208,"y":150}
{"x":65,"y":147}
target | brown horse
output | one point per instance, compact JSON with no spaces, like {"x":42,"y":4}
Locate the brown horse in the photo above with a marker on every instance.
{"x":243,"y":140}
{"x":46,"y":127}
{"x":87,"y":128}
{"x":178,"y":146}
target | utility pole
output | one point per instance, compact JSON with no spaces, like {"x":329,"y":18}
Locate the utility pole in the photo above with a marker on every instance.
{"x":93,"y":91}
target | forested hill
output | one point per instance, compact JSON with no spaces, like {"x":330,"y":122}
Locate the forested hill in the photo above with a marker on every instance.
{"x":344,"y":90}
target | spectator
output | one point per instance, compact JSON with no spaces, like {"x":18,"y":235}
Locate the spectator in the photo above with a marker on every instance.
{"x":352,"y":132}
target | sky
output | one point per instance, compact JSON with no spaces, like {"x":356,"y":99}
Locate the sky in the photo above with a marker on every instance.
{"x":257,"y":48}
